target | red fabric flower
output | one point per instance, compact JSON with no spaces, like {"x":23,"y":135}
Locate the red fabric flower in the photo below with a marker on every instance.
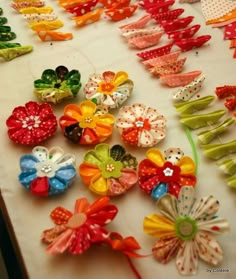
{"x":32,"y":123}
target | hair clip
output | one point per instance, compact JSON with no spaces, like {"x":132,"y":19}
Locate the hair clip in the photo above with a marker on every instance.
{"x":108,"y":171}
{"x":36,"y":10}
{"x":190,"y":43}
{"x":208,"y":135}
{"x":232,"y":43}
{"x":32,"y":123}
{"x":47,"y":172}
{"x":9,"y":51}
{"x":185,"y":33}
{"x":135,"y":33}
{"x":139,"y":24}
{"x":175,"y":80}
{"x":56,"y":85}
{"x":231,"y":181}
{"x":88,"y":18}
{"x":26,"y":4}
{"x":160,"y":7}
{"x":193,"y":106}
{"x":201,"y":120}
{"x":108,"y":3}
{"x":3,"y":20}
{"x":162,"y":60}
{"x":169,"y":15}
{"x":81,"y":8}
{"x":230,"y":103}
{"x":47,"y":35}
{"x":229,"y":31}
{"x":122,"y":13}
{"x":185,"y":230}
{"x":119,"y":4}
{"x":187,"y":92}
{"x":228,"y":166}
{"x":225,"y":91}
{"x":109,"y":89}
{"x":140,"y":125}
{"x":172,"y":25}
{"x":166,"y":173}
{"x":145,"y":41}
{"x":46,"y":25}
{"x":86,"y":123}
{"x":40,"y":17}
{"x":156,"y":52}
{"x":7,"y":36}
{"x":5,"y":29}
{"x":169,"y":68}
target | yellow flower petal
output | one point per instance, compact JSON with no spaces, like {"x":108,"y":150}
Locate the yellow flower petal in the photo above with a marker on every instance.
{"x":156,"y":156}
{"x":99,"y":185}
{"x":73,"y":111}
{"x":120,"y":78}
{"x":158,"y":226}
{"x":87,"y":107}
{"x":106,"y":119}
{"x":186,"y":165}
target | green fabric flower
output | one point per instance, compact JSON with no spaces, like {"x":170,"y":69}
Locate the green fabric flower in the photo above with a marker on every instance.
{"x":57,"y":84}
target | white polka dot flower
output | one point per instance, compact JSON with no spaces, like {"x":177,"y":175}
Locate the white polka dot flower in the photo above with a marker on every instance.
{"x":186,"y":230}
{"x":47,"y":172}
{"x":140,"y":125}
{"x":109,"y":89}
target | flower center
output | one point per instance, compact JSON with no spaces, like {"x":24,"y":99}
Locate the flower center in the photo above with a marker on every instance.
{"x":110,"y":167}
{"x":57,"y":85}
{"x":46,"y":169}
{"x":186,"y":228}
{"x":77,"y":220}
{"x":106,"y":87}
{"x":88,"y":121}
{"x":31,"y":122}
{"x":142,"y":123}
{"x":168,"y":172}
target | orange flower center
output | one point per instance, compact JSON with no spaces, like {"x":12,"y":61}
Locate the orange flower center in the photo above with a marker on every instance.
{"x":77,"y":220}
{"x":106,"y":87}
{"x":141,"y":123}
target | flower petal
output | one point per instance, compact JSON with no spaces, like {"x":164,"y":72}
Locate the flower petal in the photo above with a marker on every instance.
{"x":158,"y":226}
{"x":108,"y":76}
{"x":50,"y":235}
{"x":61,"y":243}
{"x":40,"y":186}
{"x":120,"y":78}
{"x":165,"y":249}
{"x":60,"y":215}
{"x":55,"y":153}
{"x":126,"y":114}
{"x":156,"y":156}
{"x":187,"y":180}
{"x":186,"y":259}
{"x":80,"y":242}
{"x":209,"y":249}
{"x":167,"y":205}
{"x":159,"y":190}
{"x":115,"y":187}
{"x":61,"y":72}
{"x":103,"y":131}
{"x":186,"y":200}
{"x":66,"y":160}
{"x":87,"y":107}
{"x":99,"y":185}
{"x":28,"y":162}
{"x":57,"y":185}
{"x":174,"y":188}
{"x":25,"y":178}
{"x":71,"y":111}
{"x":41,"y":153}
{"x":66,"y":174}
{"x":205,"y":209}
{"x":186,"y":165}
{"x":214,"y":226}
{"x":138,"y":110}
{"x":33,"y":108}
{"x":128,"y":178}
{"x":145,"y":139}
{"x":107,"y":119}
{"x":87,"y":171}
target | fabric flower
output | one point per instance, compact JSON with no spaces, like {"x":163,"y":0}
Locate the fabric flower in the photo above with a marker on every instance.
{"x":109,"y":89}
{"x":108,"y":171}
{"x":140,"y":125}
{"x":185,"y":230}
{"x":47,"y":172}
{"x":159,"y":174}
{"x":57,"y":84}
{"x":75,"y":232}
{"x":86,"y":123}
{"x":32,"y":123}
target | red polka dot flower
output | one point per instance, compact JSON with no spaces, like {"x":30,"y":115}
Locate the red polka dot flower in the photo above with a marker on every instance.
{"x":32,"y":123}
{"x":140,"y":125}
{"x":186,"y":230}
{"x":166,"y":173}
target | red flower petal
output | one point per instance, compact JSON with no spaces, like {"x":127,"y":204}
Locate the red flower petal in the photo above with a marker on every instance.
{"x":130,"y":136}
{"x":39,"y":186}
{"x":32,"y":108}
{"x":60,"y":215}
{"x":80,"y":241}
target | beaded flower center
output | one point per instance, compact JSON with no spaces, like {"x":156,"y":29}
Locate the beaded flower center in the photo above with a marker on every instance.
{"x":141,"y":123}
{"x":168,"y":172}
{"x":47,"y":168}
{"x":111,"y":168}
{"x":31,"y":122}
{"x":106,"y":87}
{"x":88,"y":121}
{"x":186,"y":228}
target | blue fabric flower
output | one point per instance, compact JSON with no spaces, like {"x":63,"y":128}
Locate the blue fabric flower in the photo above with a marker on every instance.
{"x":47,"y":172}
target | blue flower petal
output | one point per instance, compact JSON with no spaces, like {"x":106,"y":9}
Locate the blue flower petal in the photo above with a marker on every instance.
{"x":159,"y":190}
{"x":27,"y":162}
{"x":66,"y":174}
{"x":57,"y":186}
{"x":25,"y":178}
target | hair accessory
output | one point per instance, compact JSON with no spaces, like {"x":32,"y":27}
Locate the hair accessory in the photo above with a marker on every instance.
{"x":119,"y":4}
{"x":190,"y":43}
{"x":55,"y":85}
{"x":3,"y":20}
{"x":187,"y":92}
{"x":36,"y":10}
{"x":166,"y":173}
{"x":186,"y":230}
{"x":172,"y":25}
{"x":108,"y":3}
{"x":47,"y":35}
{"x":109,"y":172}
{"x":86,"y":123}
{"x":139,"y":24}
{"x":47,"y":172}
{"x":185,"y":33}
{"x":162,"y":60}
{"x":32,"y":123}
{"x":228,"y":166}
{"x":81,"y":9}
{"x":140,"y":125}
{"x":134,"y":33}
{"x":225,"y":91}
{"x":229,"y":31}
{"x":46,"y":25}
{"x":26,"y":4}
{"x":88,"y":18}
{"x":160,"y":7}
{"x":6,"y":36}
{"x":169,"y":15}
{"x":40,"y":17}
{"x":122,"y":13}
{"x":175,"y":80}
{"x":146,"y":4}
{"x":153,"y":53}
{"x":230,"y":103}
{"x":9,"y":51}
{"x":231,"y":181}
{"x":109,"y":89}
{"x":145,"y":41}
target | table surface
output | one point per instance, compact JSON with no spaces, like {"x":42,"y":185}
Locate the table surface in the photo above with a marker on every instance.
{"x":96,"y":48}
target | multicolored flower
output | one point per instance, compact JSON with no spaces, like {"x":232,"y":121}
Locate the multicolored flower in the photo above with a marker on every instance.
{"x":140,"y":125}
{"x":109,"y":89}
{"x":47,"y":172}
{"x":86,"y":123}
{"x":57,"y":84}
{"x":159,"y":174}
{"x":185,"y":230}
{"x":32,"y":123}
{"x":108,"y":171}
{"x":75,"y":232}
